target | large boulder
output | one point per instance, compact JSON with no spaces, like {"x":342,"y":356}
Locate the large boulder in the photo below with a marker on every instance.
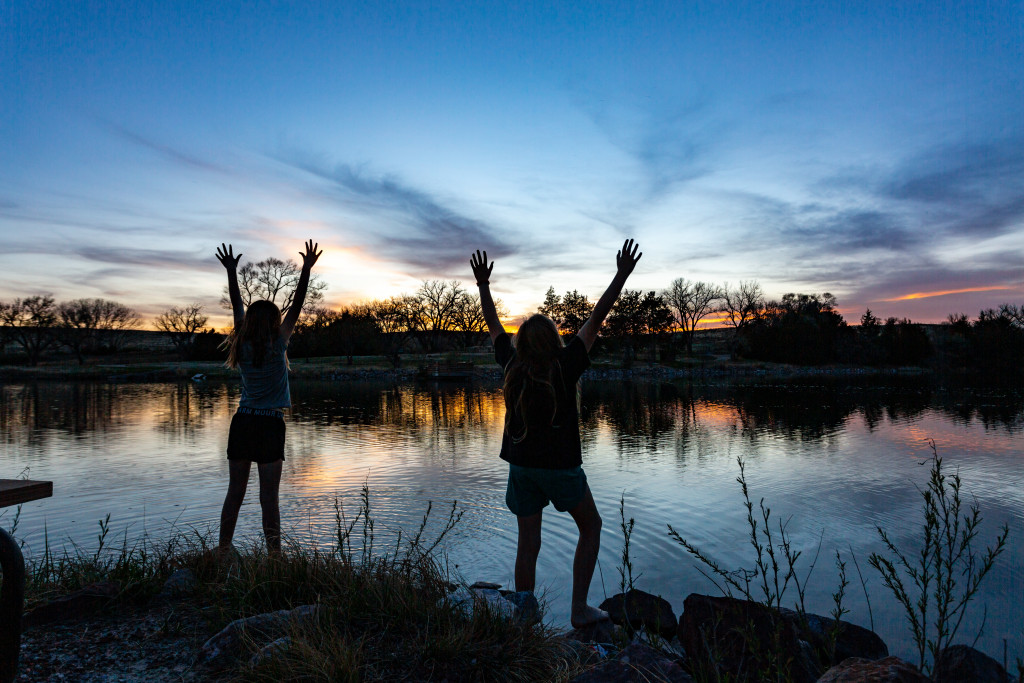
{"x":72,"y":606}
{"x":227,"y":646}
{"x":743,"y":640}
{"x":962,"y":663}
{"x":887,"y":670}
{"x":637,"y":610}
{"x":851,"y":640}
{"x":636,"y":663}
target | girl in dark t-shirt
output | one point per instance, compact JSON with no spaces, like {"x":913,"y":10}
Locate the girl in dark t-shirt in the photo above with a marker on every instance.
{"x":541,"y":439}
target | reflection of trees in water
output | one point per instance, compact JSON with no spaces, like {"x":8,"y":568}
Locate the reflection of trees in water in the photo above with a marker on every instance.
{"x":183,"y":410}
{"x":643,"y":414}
{"x":28,"y":411}
{"x":431,"y":413}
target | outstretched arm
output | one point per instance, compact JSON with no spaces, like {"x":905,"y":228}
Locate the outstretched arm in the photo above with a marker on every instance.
{"x":625,"y":261}
{"x":309,"y":257}
{"x":482,"y":272}
{"x":230,"y":262}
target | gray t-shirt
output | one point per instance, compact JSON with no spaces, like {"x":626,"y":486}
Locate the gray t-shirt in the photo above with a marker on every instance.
{"x":265,"y":386}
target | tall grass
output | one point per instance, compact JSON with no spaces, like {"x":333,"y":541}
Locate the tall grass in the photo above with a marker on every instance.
{"x":383,"y":614}
{"x":944,"y":575}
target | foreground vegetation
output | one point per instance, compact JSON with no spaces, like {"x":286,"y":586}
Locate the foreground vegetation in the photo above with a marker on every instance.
{"x":383,"y":614}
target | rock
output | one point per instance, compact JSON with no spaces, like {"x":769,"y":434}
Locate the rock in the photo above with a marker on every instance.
{"x":962,"y":663}
{"x":860,"y":670}
{"x":527,"y":607}
{"x":485,"y":584}
{"x":739,"y":638}
{"x":851,"y":641}
{"x":604,"y":632}
{"x":76,"y":605}
{"x":637,"y":662}
{"x":226,"y":647}
{"x":637,"y":609}
{"x":270,"y":650}
{"x":468,"y":601}
{"x":180,"y":583}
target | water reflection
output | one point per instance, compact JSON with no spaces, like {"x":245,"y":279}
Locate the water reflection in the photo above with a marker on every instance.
{"x":837,"y":457}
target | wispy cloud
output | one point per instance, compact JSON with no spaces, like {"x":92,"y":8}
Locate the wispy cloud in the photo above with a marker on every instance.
{"x":947,"y":292}
{"x":166,"y":151}
{"x":415,"y":227}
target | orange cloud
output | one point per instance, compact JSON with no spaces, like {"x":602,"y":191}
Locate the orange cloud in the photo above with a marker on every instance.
{"x":925,"y":295}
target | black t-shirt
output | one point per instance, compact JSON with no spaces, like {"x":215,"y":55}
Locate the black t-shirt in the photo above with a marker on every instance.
{"x":556,"y":445}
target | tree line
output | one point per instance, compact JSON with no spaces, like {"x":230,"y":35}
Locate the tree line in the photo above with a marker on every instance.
{"x":799,"y":328}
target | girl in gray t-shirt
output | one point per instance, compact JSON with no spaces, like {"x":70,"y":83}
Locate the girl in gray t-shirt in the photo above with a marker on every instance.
{"x":257,"y":347}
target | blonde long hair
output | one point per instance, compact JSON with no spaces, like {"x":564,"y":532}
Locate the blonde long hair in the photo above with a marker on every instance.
{"x":530,"y":379}
{"x":260,"y":328}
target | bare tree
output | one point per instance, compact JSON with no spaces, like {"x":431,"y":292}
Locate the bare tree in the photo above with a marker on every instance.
{"x":88,"y":322}
{"x":30,"y":323}
{"x":438,"y":305}
{"x":397,"y":317}
{"x":741,"y":306}
{"x":691,"y":302}
{"x":181,"y":325}
{"x":469,"y":316}
{"x":274,"y":280}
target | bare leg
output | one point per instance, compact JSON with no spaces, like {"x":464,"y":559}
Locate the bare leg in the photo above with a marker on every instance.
{"x":238,"y":471}
{"x":270,"y":483}
{"x":588,"y":521}
{"x":527,"y":551}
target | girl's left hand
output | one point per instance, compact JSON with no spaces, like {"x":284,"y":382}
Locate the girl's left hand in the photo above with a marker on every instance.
{"x":226,"y":257}
{"x":310,"y":256}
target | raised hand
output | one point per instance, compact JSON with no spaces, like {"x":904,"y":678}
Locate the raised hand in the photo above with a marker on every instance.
{"x":310,"y":256}
{"x":481,"y":271}
{"x":625,"y":260}
{"x":226,"y":257}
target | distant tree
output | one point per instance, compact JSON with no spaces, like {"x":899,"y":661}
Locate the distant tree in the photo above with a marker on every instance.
{"x":904,"y":342}
{"x":30,"y":323}
{"x":438,"y":302}
{"x":181,"y":325}
{"x":1015,"y":314}
{"x":575,"y":310}
{"x":469,"y":317}
{"x":625,"y":322}
{"x":741,"y":304}
{"x":804,"y":329}
{"x":397,"y":318}
{"x":274,"y":280}
{"x":552,"y":307}
{"x":89,"y":323}
{"x":691,"y":302}
{"x":658,"y":318}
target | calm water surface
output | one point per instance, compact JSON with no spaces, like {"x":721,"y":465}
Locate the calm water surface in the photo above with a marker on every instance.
{"x":833,"y":460}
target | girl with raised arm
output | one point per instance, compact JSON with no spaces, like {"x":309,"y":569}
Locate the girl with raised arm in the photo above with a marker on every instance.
{"x":541,"y":441}
{"x":257,"y":347}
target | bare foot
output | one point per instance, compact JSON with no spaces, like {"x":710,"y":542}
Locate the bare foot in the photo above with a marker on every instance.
{"x":587,"y":616}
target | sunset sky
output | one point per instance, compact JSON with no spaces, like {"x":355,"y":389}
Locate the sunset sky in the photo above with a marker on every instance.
{"x":873,"y":150}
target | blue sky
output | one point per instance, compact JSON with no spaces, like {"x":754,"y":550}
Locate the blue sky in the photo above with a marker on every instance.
{"x":873,"y":150}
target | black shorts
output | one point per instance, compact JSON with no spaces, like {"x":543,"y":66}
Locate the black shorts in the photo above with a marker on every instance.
{"x":256,"y":435}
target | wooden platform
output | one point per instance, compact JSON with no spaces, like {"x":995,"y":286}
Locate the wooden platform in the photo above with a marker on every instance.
{"x":18,"y":491}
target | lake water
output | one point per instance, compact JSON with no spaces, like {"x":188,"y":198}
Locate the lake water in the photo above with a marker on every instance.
{"x":835,"y":460}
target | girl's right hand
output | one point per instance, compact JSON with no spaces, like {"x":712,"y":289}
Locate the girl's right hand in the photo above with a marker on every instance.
{"x":226,"y":257}
{"x":481,"y":271}
{"x":626,"y":259}
{"x":310,"y":256}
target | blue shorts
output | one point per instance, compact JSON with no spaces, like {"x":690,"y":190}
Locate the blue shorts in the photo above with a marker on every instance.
{"x":530,"y":489}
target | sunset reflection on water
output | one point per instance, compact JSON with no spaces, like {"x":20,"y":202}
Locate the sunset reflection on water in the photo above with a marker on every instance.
{"x":835,"y":459}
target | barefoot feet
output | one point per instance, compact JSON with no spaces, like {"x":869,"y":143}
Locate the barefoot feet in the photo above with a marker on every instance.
{"x":585,"y":615}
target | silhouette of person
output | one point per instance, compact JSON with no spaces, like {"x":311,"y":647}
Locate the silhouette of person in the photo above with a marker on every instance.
{"x":258,"y":347}
{"x":541,"y":440}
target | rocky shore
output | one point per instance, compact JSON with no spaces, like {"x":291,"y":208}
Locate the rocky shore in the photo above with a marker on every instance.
{"x":91,"y":635}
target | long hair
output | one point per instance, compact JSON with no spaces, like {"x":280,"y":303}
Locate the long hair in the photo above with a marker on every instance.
{"x":530,"y":379}
{"x":259,"y":330}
